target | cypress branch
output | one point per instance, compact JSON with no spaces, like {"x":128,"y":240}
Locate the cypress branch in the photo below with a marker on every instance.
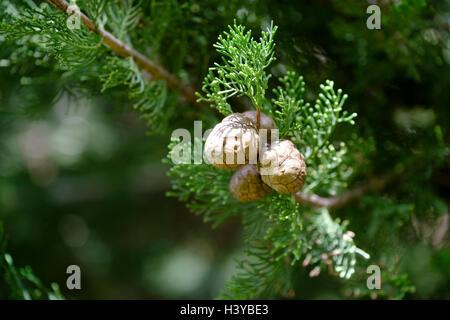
{"x":159,"y":72}
{"x":125,"y":50}
{"x":373,"y":184}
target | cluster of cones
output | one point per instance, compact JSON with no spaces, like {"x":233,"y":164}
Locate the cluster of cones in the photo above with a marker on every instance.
{"x":248,"y":143}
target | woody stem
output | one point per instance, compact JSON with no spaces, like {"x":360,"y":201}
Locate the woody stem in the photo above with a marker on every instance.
{"x":258,"y":118}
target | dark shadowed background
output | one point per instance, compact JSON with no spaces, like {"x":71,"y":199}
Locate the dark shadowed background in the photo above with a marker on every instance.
{"x":81,"y":175}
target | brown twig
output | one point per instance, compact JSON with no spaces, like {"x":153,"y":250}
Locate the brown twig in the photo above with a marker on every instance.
{"x":124,"y":50}
{"x":374,"y":184}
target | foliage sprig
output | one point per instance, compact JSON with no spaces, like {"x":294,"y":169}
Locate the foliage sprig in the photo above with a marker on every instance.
{"x":242,"y":68}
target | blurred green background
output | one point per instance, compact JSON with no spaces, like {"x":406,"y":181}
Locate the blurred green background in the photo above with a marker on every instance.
{"x":82,"y":182}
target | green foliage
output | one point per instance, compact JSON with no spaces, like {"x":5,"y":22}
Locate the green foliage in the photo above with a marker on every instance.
{"x":81,"y":55}
{"x":300,"y":121}
{"x":122,"y":17}
{"x":278,"y":244}
{"x":311,"y":128}
{"x":242,"y":71}
{"x":47,"y":28}
{"x":275,"y":236}
{"x":95,"y":9}
{"x":206,"y":189}
{"x":289,"y":101}
{"x":258,"y":276}
{"x":23,"y":284}
{"x":149,"y":97}
{"x":331,"y":246}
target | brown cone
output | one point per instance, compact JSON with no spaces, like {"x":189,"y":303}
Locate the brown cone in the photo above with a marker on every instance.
{"x":283,"y":167}
{"x":266,"y":122}
{"x":232,"y":143}
{"x":246,"y":184}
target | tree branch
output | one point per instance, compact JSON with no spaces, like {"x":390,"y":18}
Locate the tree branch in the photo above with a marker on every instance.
{"x":142,"y":61}
{"x":374,"y":184}
{"x":159,"y":72}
